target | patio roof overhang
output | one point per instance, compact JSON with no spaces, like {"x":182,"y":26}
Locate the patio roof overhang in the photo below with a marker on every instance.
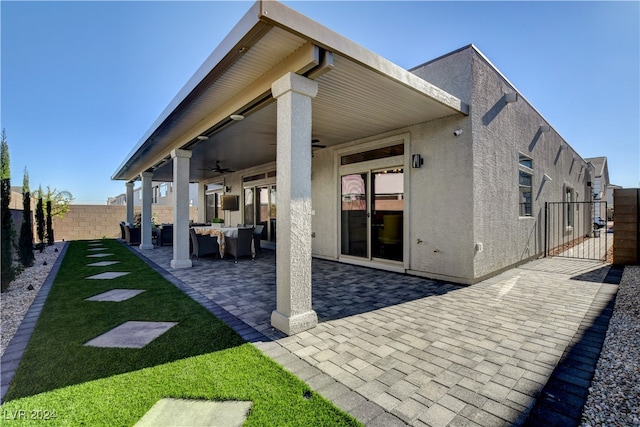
{"x":360,"y":94}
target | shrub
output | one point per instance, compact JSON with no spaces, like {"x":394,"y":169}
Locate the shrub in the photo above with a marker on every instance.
{"x":25,"y":245}
{"x":40,"y":224}
{"x":50,"y":239}
{"x":7,"y":233}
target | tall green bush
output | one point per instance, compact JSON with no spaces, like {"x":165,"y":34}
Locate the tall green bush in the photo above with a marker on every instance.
{"x":50,"y":239}
{"x":25,"y":245}
{"x":7,"y":233}
{"x":40,"y":223}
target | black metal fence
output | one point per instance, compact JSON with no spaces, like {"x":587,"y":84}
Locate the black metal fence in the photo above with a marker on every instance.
{"x":576,"y":230}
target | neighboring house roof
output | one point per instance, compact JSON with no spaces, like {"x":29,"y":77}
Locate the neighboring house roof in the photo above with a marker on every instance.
{"x":360,"y":94}
{"x":599,"y":163}
{"x":601,"y":170}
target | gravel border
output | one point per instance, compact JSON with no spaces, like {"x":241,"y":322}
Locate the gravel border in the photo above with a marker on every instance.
{"x":15,"y":303}
{"x":614,"y":395}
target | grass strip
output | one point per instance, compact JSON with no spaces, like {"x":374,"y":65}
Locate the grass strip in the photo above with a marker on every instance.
{"x":200,"y":358}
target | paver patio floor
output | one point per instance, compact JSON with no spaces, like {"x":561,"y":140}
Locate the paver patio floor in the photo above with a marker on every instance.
{"x":393,"y":349}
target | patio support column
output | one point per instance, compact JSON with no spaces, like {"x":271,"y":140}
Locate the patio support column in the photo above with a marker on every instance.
{"x":181,"y":257}
{"x":293,"y":313}
{"x":130,"y":202}
{"x":145,"y":218}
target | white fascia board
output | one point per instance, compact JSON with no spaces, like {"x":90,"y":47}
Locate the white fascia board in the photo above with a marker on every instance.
{"x":282,"y":16}
{"x":248,"y":23}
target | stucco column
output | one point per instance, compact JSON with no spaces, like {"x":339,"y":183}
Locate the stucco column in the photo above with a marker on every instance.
{"x":294,"y":312}
{"x":130,"y":202}
{"x":145,"y":219}
{"x":181,"y":258}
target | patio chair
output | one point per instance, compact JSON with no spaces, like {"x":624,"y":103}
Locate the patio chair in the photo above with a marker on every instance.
{"x":257,"y":237}
{"x":132,"y":235}
{"x":123,"y":235}
{"x":165,"y":234}
{"x":202,"y":245}
{"x":241,"y":245}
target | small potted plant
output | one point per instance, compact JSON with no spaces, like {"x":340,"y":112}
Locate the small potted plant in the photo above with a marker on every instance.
{"x":217,"y":222}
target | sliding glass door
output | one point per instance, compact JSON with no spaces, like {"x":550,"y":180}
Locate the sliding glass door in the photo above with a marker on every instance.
{"x":354,"y":215}
{"x":266,"y":211}
{"x":260,"y":209}
{"x":372,"y":214}
{"x":387,"y":208}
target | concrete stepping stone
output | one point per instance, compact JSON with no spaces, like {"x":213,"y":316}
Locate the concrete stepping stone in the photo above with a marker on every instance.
{"x":98,"y":255}
{"x":195,"y":413}
{"x":103,"y":263}
{"x":116,"y":295}
{"x":132,"y":334}
{"x":109,"y":275}
{"x":97,"y":249}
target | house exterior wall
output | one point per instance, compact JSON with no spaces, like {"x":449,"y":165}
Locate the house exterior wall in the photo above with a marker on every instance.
{"x":500,"y":131}
{"x":441,"y":208}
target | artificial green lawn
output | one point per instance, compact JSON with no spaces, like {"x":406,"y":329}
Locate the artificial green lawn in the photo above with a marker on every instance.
{"x":200,"y":358}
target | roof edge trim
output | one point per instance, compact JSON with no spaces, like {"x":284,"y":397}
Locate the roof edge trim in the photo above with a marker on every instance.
{"x":249,"y":23}
{"x":284,"y":17}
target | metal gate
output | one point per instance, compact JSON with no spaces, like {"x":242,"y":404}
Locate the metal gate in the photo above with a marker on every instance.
{"x":576,"y":230}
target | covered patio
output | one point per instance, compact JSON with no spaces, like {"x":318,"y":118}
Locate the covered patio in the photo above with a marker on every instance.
{"x":276,"y":83}
{"x":393,"y":349}
{"x":248,"y":289}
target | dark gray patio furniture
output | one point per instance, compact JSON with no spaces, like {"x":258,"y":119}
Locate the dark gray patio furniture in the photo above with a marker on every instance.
{"x":240,"y":246}
{"x":123,"y":235}
{"x":165,"y":234}
{"x":202,"y":245}
{"x":257,"y":237}
{"x":132,"y":235}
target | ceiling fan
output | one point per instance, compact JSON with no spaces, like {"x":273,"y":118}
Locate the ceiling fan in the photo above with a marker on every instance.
{"x":217,"y":168}
{"x":315,"y":143}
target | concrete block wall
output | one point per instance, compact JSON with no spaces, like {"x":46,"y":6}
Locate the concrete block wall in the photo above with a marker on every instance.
{"x":626,"y":236}
{"x":97,"y":221}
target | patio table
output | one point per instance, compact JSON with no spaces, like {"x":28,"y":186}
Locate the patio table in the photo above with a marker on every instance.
{"x":210,"y":231}
{"x":222,"y":233}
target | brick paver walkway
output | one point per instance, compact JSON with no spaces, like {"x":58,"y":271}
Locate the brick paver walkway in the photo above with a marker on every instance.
{"x":393,"y":349}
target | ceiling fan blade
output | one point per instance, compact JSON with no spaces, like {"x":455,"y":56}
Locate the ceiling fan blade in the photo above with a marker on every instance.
{"x":314,"y":143}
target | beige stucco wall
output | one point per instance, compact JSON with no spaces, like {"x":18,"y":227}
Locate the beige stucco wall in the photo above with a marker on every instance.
{"x":500,"y":132}
{"x":438,"y":212}
{"x":441,"y":208}
{"x":97,"y":221}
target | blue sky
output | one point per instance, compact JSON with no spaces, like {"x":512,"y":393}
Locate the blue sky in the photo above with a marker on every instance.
{"x":83,"y":81}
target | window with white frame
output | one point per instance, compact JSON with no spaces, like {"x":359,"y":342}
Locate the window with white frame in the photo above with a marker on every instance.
{"x":163,"y":189}
{"x":525,"y":184}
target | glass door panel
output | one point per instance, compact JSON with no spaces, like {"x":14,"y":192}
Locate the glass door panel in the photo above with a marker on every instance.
{"x":272,"y":215}
{"x":354,"y":234}
{"x":265,"y":212}
{"x":213,"y":197}
{"x":387,"y":214}
{"x":262,"y":217}
{"x":248,"y":206}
